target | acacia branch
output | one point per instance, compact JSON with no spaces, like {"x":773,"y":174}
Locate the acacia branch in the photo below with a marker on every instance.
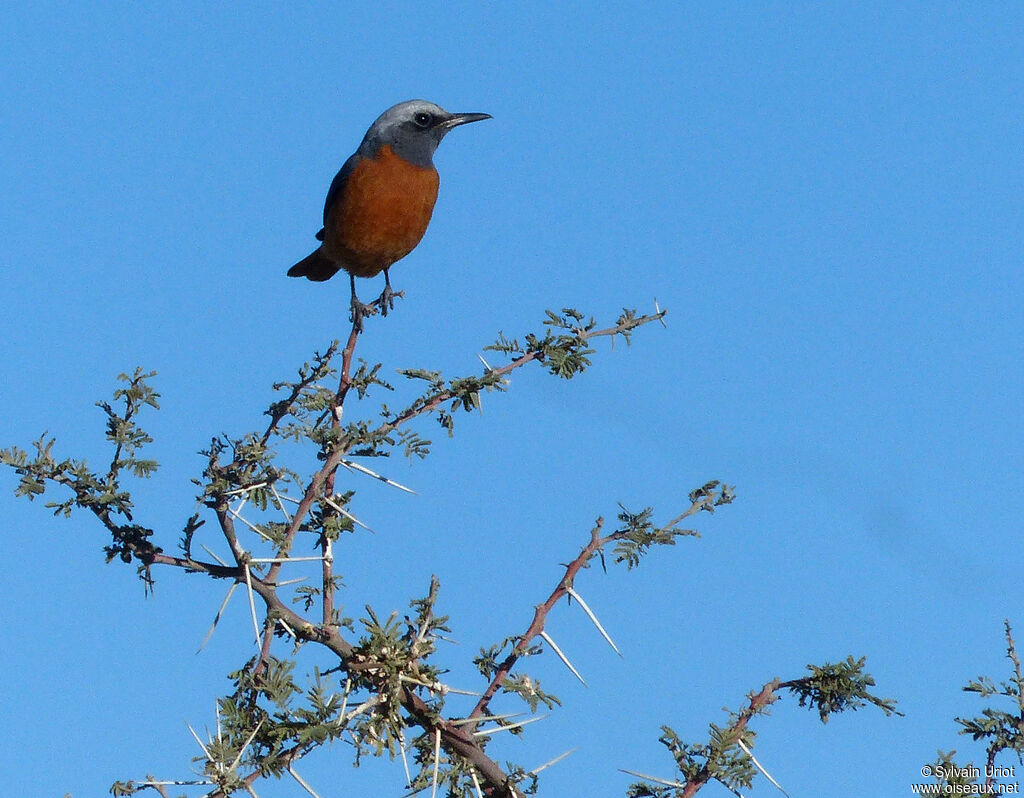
{"x":280,"y":410}
{"x":432,"y":401}
{"x":756,"y":704}
{"x":131,"y":540}
{"x":323,"y":479}
{"x":540,"y":615}
{"x":594,"y":546}
{"x":454,"y":739}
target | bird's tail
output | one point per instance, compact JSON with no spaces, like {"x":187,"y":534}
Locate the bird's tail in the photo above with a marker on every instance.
{"x":315,"y":266}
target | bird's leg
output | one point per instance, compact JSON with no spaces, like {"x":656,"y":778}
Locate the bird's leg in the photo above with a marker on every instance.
{"x":359,"y":310}
{"x":386,"y":300}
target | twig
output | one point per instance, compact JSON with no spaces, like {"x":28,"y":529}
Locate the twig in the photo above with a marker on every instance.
{"x":540,"y":618}
{"x":766,"y":696}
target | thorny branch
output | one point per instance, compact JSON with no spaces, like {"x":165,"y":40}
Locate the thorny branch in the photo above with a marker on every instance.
{"x":564,"y":349}
{"x":727,"y":757}
{"x":705,"y":498}
{"x":756,"y":704}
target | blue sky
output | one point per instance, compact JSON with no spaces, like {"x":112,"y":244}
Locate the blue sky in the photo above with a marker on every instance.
{"x":827,"y":199}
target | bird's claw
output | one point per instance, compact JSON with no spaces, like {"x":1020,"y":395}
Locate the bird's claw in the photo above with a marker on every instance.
{"x":359,"y":312}
{"x":384,"y":303}
{"x":386,"y":300}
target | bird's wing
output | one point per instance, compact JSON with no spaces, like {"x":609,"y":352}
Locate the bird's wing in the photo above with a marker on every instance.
{"x":337,"y":186}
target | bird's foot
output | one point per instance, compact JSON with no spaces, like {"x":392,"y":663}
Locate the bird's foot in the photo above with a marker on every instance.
{"x":360,"y":312}
{"x":386,"y":300}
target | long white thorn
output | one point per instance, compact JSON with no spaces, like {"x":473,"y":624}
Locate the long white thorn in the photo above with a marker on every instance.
{"x":447,"y":689}
{"x":590,"y":614}
{"x":218,"y":559}
{"x":486,"y":364}
{"x":359,"y":710}
{"x":201,"y":783}
{"x":363,"y":469}
{"x":253,"y":527}
{"x":283,"y":559}
{"x":206,"y":751}
{"x":482,"y":719}
{"x":280,"y":504}
{"x":252,"y":609}
{"x":437,"y":762}
{"x":216,"y":618}
{"x":551,"y":762}
{"x":476,"y":783}
{"x":246,"y":489}
{"x":561,"y":656}
{"x":302,"y":784}
{"x":655,"y":779}
{"x":291,"y":581}
{"x":344,"y":700}
{"x":509,"y":727}
{"x":242,"y":749}
{"x":436,"y":687}
{"x":760,"y":767}
{"x":405,"y":759}
{"x":347,"y":514}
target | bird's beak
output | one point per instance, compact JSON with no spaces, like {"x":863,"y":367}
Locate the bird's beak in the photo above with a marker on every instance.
{"x":461,"y":119}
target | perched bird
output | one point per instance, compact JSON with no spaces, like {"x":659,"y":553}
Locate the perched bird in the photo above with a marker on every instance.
{"x":380,"y":202}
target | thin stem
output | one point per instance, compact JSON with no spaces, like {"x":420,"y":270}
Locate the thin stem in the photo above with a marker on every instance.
{"x":767,"y":695}
{"x":540,"y":617}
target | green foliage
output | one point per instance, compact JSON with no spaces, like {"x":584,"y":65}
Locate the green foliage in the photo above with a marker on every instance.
{"x":99,"y":492}
{"x":565,"y":354}
{"x":838,"y":687}
{"x":366,"y":376}
{"x":638,"y":534}
{"x":830,"y":688}
{"x":381,"y":688}
{"x":529,"y":690}
{"x":1000,"y":729}
{"x":488,"y":660}
{"x":949,"y":774}
{"x":305,"y":399}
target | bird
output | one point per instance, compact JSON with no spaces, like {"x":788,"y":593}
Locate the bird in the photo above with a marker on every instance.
{"x":380,"y":202}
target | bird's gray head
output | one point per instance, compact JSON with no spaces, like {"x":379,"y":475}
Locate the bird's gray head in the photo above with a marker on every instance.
{"x":413,"y":129}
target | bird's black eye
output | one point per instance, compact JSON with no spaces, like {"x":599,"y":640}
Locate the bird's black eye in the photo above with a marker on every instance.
{"x":422,"y":119}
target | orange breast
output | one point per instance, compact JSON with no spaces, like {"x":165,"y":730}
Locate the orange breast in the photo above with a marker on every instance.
{"x":382,"y":213}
